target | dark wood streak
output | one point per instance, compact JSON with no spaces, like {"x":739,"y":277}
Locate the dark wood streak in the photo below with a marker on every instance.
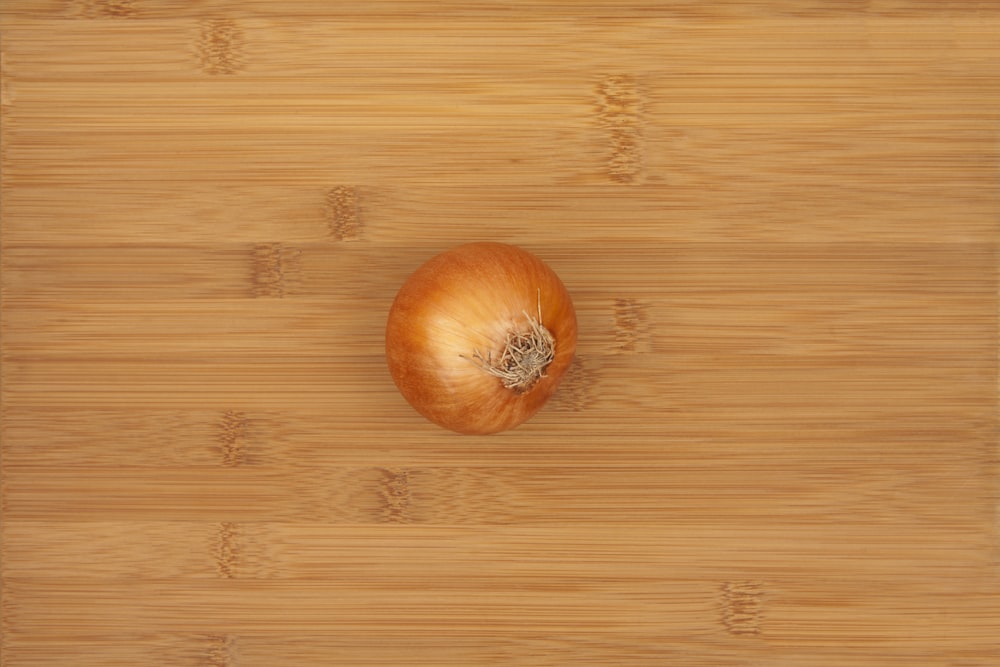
{"x":742,"y":607}
{"x":220,"y":47}
{"x":227,"y":549}
{"x":274,"y":269}
{"x":91,"y":9}
{"x":576,"y":391}
{"x":232,"y":437}
{"x":632,"y":333}
{"x":342,"y":211}
{"x":619,"y":109}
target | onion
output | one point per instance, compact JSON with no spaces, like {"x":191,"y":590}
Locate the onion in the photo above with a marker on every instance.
{"x":479,"y":337}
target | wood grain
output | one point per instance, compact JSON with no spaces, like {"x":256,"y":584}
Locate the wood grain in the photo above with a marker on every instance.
{"x":778,"y":442}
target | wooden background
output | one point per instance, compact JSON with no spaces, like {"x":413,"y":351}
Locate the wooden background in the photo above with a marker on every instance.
{"x":779,"y":223}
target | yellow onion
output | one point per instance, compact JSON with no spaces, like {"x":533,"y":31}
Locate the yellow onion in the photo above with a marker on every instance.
{"x":479,"y":337}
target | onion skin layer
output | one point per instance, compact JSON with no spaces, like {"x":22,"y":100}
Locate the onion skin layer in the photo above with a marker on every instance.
{"x":467,"y":300}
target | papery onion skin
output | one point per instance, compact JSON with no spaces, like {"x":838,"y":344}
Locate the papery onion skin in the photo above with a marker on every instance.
{"x":465,"y":301}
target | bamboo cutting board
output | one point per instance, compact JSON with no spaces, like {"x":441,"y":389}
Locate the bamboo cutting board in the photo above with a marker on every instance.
{"x":777,"y":444}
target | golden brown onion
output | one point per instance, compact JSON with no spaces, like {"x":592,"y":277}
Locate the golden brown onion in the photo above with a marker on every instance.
{"x":479,"y":337}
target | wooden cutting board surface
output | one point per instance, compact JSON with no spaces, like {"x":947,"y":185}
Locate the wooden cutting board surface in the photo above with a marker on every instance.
{"x":777,"y":445}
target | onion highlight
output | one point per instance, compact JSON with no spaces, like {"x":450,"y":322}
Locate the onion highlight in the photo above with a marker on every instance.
{"x":479,"y":337}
